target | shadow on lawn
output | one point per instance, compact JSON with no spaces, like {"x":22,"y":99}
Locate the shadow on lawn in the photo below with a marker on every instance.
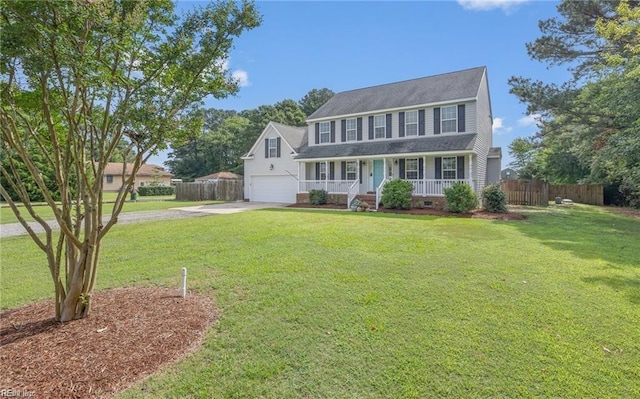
{"x":589,"y":232}
{"x":627,"y":285}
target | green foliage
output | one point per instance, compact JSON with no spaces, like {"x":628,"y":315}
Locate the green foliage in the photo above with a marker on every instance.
{"x":315,"y":99}
{"x":317,"y":197}
{"x":460,"y":198}
{"x":396,"y":194}
{"x":494,"y":200}
{"x":156,"y":190}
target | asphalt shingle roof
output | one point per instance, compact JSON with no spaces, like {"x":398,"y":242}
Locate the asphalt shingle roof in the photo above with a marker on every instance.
{"x":432,"y":89}
{"x":295,"y":136}
{"x":457,"y":142}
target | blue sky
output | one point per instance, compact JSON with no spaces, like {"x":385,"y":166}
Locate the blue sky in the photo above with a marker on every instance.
{"x":347,"y":45}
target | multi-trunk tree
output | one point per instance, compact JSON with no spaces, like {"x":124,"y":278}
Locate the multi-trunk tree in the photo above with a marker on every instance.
{"x":86,"y":81}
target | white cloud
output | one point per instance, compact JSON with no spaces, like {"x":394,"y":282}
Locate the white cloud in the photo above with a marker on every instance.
{"x":529,"y":120}
{"x":499,"y":127}
{"x":484,"y":5}
{"x":241,"y":76}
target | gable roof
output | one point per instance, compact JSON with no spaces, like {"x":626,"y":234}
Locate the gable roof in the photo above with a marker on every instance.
{"x":295,"y":137}
{"x":459,"y":142}
{"x":432,"y":89}
{"x":146,"y":169}
{"x":220,"y":175}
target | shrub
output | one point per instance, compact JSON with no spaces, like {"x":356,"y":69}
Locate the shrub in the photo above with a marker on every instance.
{"x":494,"y":200}
{"x":460,"y":198}
{"x":156,"y":190}
{"x":317,"y":197}
{"x":397,"y":194}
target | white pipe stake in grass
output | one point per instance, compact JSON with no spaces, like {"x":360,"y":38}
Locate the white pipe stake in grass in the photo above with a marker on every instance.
{"x":183,"y":283}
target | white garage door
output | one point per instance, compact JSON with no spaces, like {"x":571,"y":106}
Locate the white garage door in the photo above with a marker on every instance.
{"x":274,"y":189}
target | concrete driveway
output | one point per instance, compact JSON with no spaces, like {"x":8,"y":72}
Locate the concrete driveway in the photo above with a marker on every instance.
{"x":230,"y":207}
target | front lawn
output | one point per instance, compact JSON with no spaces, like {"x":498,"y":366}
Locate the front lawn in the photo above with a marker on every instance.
{"x":321,"y":304}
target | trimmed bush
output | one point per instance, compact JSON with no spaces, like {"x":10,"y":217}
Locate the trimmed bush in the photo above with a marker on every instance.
{"x":317,"y":197}
{"x":145,"y":191}
{"x":460,"y":198}
{"x":396,"y":194}
{"x":494,"y":200}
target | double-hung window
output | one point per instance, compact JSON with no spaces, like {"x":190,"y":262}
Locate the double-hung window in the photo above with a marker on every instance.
{"x":352,"y":170}
{"x":411,"y":123}
{"x":273,"y":147}
{"x":379,"y":126}
{"x":411,"y":168}
{"x":109,"y":179}
{"x":325,"y":132}
{"x":323,"y":170}
{"x":351,"y":129}
{"x":449,"y":119}
{"x":449,"y":168}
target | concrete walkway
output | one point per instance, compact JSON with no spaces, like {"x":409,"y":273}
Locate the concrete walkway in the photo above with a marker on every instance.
{"x":16,"y":229}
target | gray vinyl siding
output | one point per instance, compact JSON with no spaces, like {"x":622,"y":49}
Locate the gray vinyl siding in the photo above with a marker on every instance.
{"x":484,"y":139}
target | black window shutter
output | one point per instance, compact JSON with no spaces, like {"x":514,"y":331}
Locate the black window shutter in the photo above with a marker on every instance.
{"x":460,"y":165}
{"x":436,"y":121}
{"x":421,"y":130}
{"x":317,"y":170}
{"x":438,"y":168}
{"x":343,"y":170}
{"x":360,"y":171}
{"x":266,"y":148}
{"x":332,"y":169}
{"x":278,"y":140}
{"x":402,"y":172}
{"x":333,"y":131}
{"x":317,"y":132}
{"x":371,"y":128}
{"x":420,"y":168}
{"x":359,"y":129}
{"x":461,"y":118}
{"x":343,"y":130}
{"x":388,"y":126}
{"x":401,"y":124}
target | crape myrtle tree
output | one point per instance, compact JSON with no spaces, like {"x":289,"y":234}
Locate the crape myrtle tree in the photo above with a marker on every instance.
{"x":78,"y":78}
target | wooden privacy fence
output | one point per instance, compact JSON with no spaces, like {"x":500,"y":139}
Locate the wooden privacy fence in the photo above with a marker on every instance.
{"x":538,"y":192}
{"x":224,"y":190}
{"x":526,"y":192}
{"x":591,"y":194}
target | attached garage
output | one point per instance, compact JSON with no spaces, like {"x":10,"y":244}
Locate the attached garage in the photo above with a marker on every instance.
{"x":273,"y":188}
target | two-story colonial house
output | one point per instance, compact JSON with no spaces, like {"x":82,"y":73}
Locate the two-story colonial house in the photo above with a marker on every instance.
{"x":430,"y":131}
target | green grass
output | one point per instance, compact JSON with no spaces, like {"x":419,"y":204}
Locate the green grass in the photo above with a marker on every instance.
{"x":352,"y":305}
{"x":143,"y":204}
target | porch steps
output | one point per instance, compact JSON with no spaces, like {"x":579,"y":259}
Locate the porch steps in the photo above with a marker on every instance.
{"x":368,"y":198}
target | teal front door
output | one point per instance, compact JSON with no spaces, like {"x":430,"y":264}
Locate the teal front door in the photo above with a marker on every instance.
{"x":378,"y":172}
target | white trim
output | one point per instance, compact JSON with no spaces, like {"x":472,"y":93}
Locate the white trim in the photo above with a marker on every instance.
{"x":327,"y":133}
{"x":442,"y":119}
{"x":384,"y":125}
{"x":274,"y":147}
{"x":355,"y":129}
{"x":397,"y":109}
{"x":398,"y":155}
{"x":261,"y":138}
{"x":416,"y":123}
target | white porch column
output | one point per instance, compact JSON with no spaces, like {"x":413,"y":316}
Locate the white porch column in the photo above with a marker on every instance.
{"x":326,"y":176}
{"x":299,"y":176}
{"x":470,"y":178}
{"x":424,"y":175}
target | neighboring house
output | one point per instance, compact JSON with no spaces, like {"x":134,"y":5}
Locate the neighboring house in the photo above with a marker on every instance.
{"x":508,"y":174}
{"x":430,"y":131}
{"x":148,"y":174}
{"x":218,"y":176}
{"x":270,"y":170}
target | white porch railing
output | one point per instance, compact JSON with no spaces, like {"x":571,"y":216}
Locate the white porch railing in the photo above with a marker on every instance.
{"x":353,"y":191}
{"x":435,"y":186}
{"x":379,"y":191}
{"x":330,"y":186}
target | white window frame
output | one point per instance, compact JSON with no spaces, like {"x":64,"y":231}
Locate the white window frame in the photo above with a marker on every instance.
{"x":325,"y":132}
{"x":415,"y":169}
{"x":451,"y":164}
{"x":451,"y":113}
{"x":379,"y":131}
{"x":411,"y":128}
{"x":323,"y":171}
{"x":351,"y":170}
{"x":351,"y":127}
{"x":273,"y":147}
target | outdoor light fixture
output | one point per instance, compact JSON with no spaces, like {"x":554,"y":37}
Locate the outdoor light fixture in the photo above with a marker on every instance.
{"x":271,"y":167}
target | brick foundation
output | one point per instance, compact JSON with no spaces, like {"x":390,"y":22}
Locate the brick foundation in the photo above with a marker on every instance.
{"x":341,"y":199}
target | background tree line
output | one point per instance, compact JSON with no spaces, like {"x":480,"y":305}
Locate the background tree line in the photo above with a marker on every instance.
{"x":227,"y":135}
{"x":589,"y":126}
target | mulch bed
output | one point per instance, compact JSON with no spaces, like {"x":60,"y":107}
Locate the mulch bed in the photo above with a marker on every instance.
{"x":426,"y":211}
{"x":129,"y":334}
